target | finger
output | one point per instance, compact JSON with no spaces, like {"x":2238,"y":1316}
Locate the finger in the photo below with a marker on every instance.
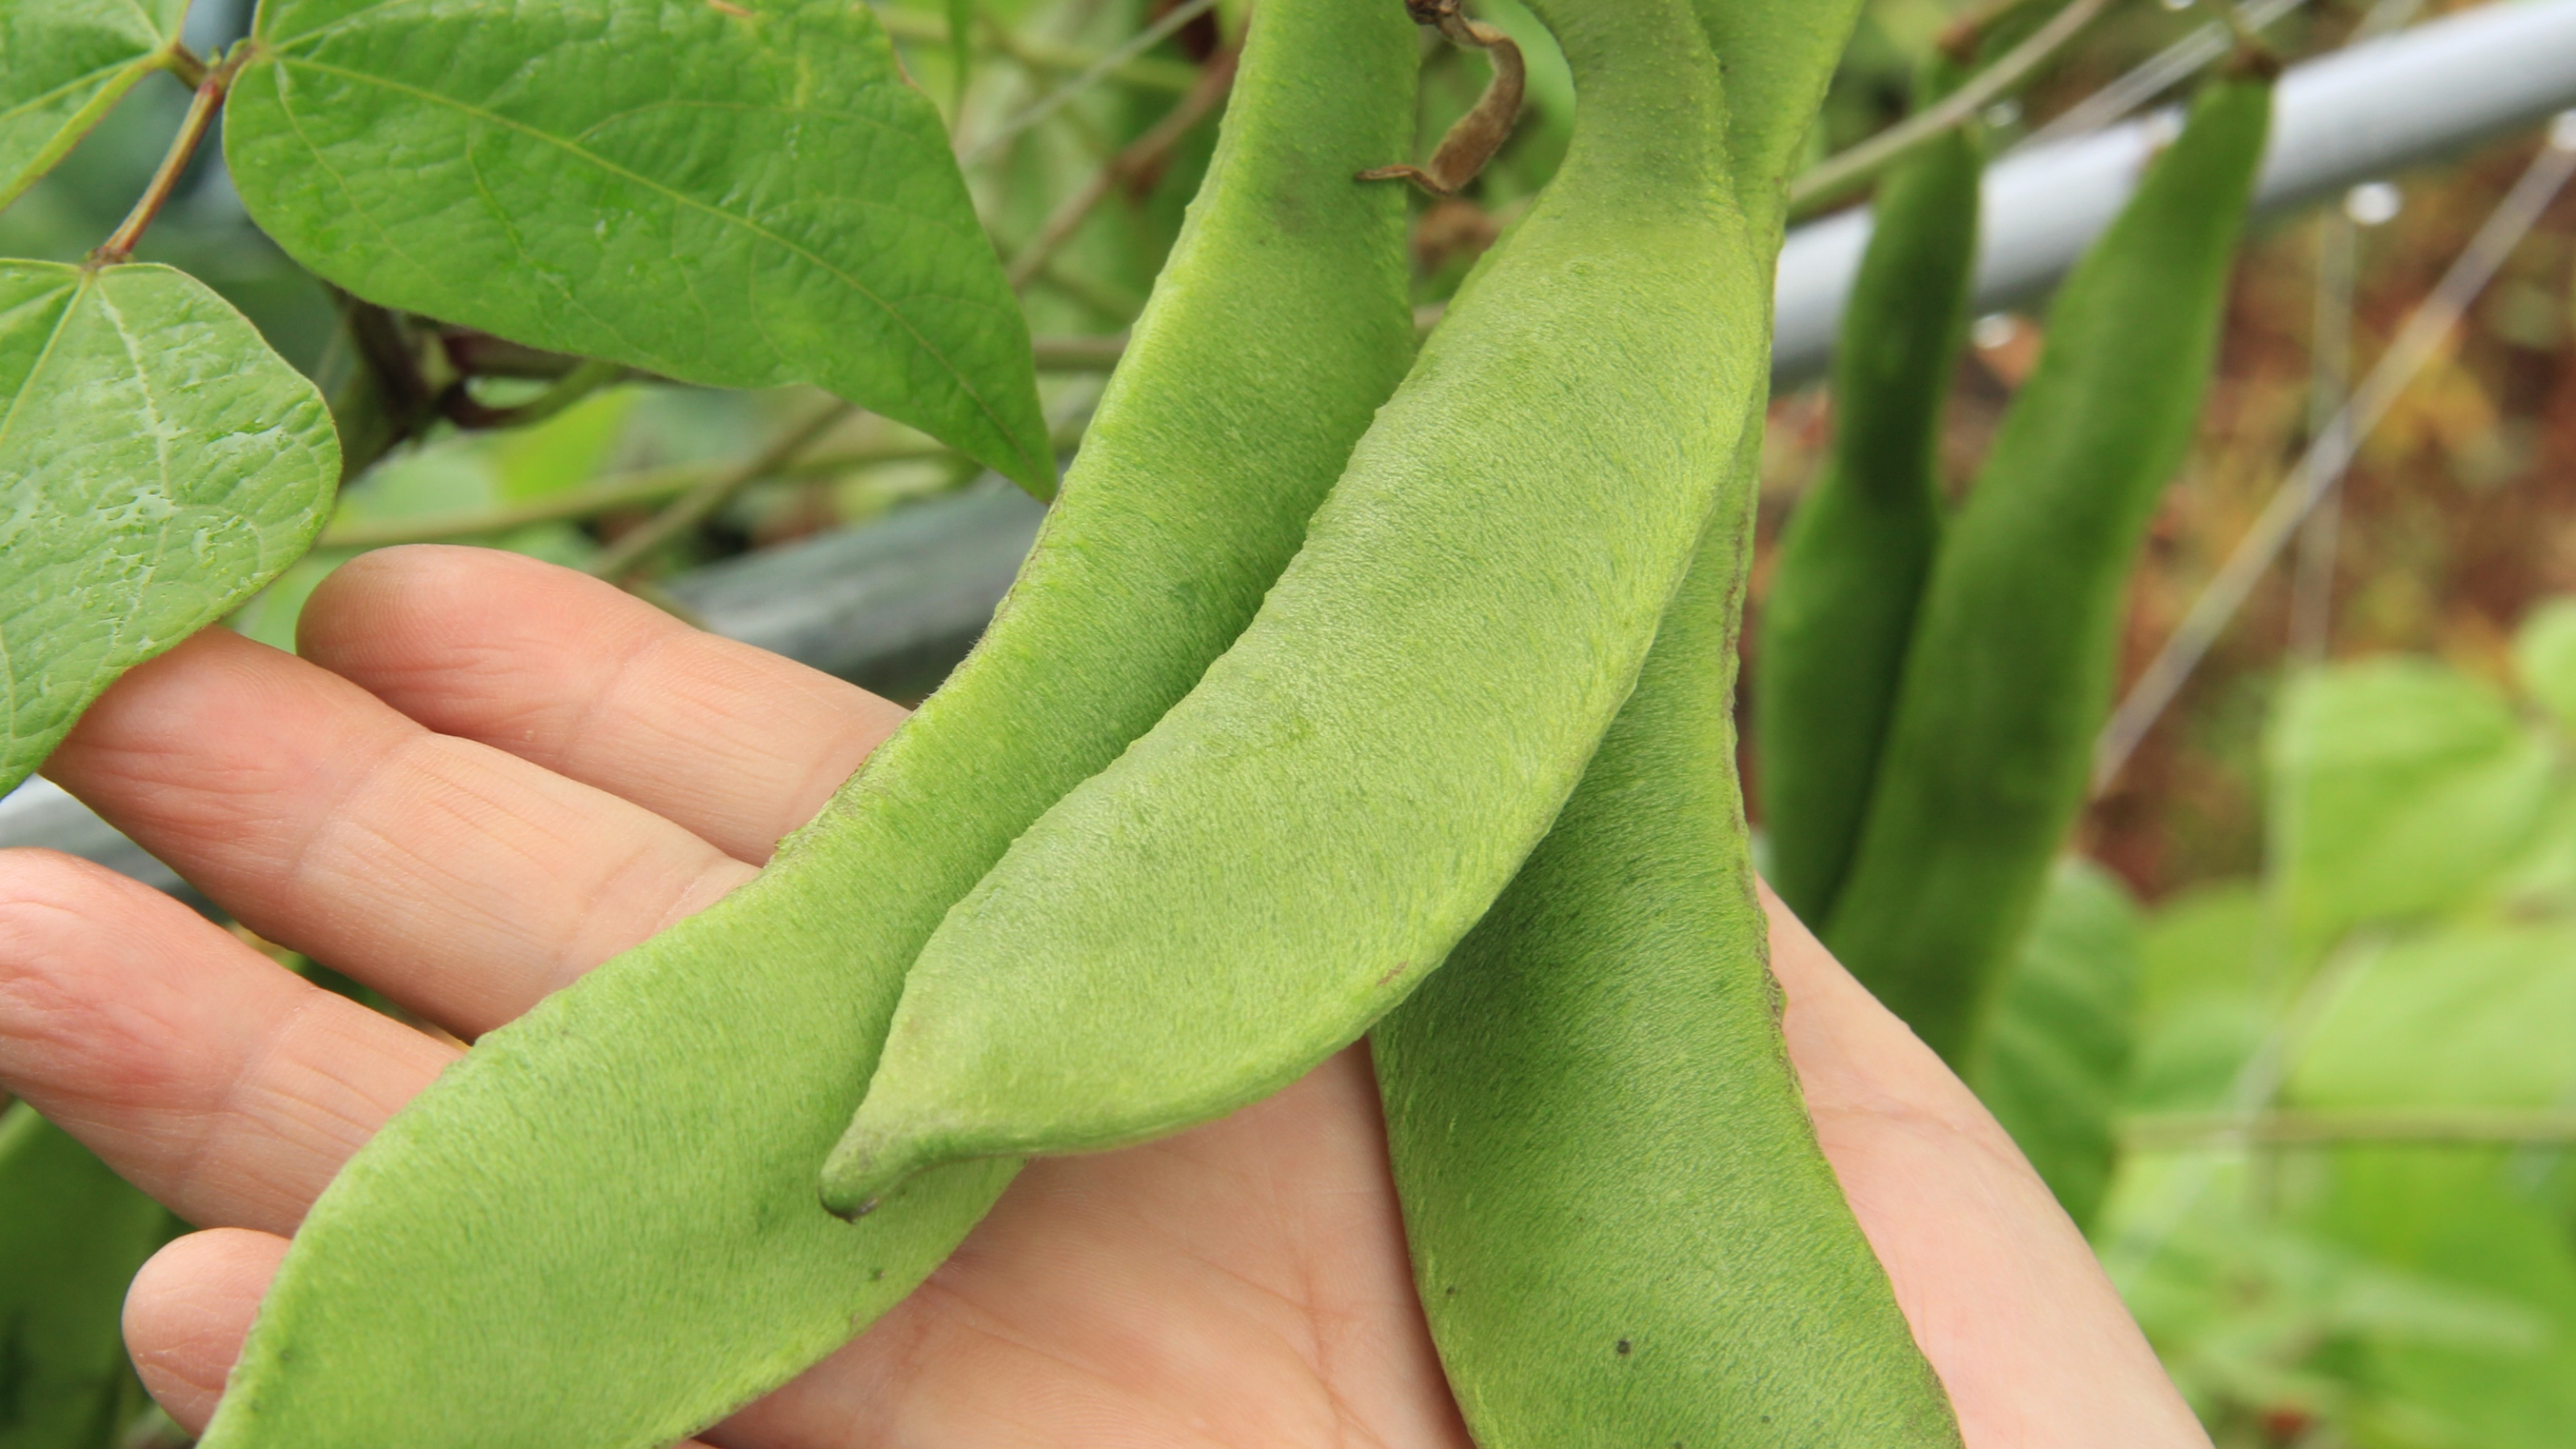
{"x":189,"y":1312}
{"x":459,"y":880}
{"x":222,"y":1084}
{"x":732,"y":742}
{"x":2003,"y":1294}
{"x":1244,"y":1282}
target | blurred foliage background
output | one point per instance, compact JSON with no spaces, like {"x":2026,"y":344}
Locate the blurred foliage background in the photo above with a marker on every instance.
{"x":2319,"y":1128}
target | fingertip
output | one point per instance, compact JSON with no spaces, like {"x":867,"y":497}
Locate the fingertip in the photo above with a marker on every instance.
{"x":189,"y":1311}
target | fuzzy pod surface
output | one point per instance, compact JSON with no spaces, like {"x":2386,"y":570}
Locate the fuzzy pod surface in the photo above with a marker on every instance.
{"x":1592,"y":1271}
{"x":1858,"y":551}
{"x":1285,"y":855}
{"x":2011,"y":668}
{"x":1622,"y":1227}
{"x":599,"y":1229}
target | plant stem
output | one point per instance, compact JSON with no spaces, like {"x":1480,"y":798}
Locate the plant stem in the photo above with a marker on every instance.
{"x":183,"y":149}
{"x":182,"y":62}
{"x":638,"y":489}
{"x":1108,"y":299}
{"x":2447,"y":1126}
{"x":388,"y":401}
{"x":700,"y":503}
{"x":1097,"y":353}
{"x":1128,"y":167}
{"x":1848,"y":168}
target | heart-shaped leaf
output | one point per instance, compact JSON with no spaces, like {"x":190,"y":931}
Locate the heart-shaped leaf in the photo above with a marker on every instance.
{"x":64,"y":64}
{"x":2400,"y":788}
{"x":738,"y":194}
{"x":2469,"y":1016}
{"x":159,"y":463}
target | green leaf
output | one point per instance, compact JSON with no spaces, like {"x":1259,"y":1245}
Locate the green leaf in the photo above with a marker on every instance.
{"x":64,"y":64}
{"x":2400,"y":787}
{"x":2544,"y":651}
{"x":2254,"y":1317}
{"x":2052,"y":1064}
{"x":72,"y":1234}
{"x":2454,"y":1218}
{"x":744,"y":195}
{"x":2202,"y":1006}
{"x":160,"y":464}
{"x":2469,"y":1017}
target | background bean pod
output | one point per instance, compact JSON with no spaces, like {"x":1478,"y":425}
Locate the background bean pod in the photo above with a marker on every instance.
{"x":1853,"y":563}
{"x":2009,"y":675}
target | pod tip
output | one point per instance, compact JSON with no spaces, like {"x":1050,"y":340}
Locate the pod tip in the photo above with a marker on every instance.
{"x":865,"y":1165}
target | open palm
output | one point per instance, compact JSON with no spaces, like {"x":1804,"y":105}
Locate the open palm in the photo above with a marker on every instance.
{"x":488,"y":775}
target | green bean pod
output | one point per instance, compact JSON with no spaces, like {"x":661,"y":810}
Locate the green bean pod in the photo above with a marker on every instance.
{"x":1592,"y":1270}
{"x":1853,"y":562}
{"x":1299,"y":841}
{"x":72,"y":1235}
{"x":2012,"y":664}
{"x":599,"y":1230}
{"x":1622,"y":1227}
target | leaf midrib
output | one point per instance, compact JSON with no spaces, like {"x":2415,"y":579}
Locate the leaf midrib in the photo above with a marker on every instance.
{"x":99,"y":76}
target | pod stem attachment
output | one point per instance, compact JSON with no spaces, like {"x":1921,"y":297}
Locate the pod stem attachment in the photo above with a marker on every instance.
{"x":1481,"y":132}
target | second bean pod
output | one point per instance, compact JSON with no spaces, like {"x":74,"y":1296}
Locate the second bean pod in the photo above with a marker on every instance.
{"x":1298,"y":842}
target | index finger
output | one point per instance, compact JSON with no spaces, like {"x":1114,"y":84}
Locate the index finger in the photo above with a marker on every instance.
{"x":732,"y":743}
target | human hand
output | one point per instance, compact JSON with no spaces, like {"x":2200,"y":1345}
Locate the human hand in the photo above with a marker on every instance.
{"x":488,"y":775}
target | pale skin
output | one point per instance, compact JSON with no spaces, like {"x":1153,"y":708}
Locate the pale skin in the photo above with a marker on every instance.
{"x":488,"y":774}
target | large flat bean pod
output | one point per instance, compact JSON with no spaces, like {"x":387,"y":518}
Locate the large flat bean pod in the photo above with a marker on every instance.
{"x":1297,"y":843}
{"x":599,"y":1229}
{"x":1621,"y":1224}
{"x":1593,"y":1272}
{"x":72,"y":1235}
{"x":1852,"y":566}
{"x":2011,"y":667}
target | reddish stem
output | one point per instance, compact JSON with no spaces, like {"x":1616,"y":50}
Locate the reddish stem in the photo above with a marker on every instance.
{"x":183,"y":149}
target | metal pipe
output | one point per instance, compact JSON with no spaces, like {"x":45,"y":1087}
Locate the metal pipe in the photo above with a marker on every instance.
{"x":2342,"y":118}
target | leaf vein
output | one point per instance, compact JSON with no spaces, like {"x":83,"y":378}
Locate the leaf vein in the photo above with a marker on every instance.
{"x":99,"y":77}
